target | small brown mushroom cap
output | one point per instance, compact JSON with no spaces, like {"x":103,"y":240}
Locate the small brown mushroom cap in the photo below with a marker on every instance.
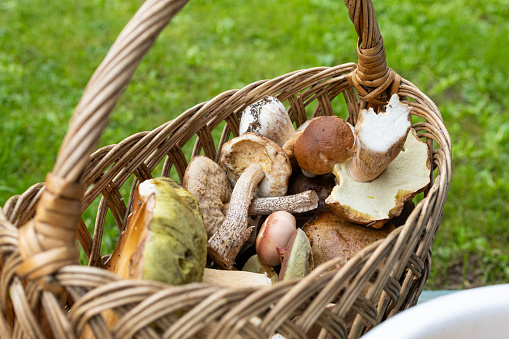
{"x":208,"y":182}
{"x":290,"y":143}
{"x":242,"y":151}
{"x":323,"y":143}
{"x":373,"y":203}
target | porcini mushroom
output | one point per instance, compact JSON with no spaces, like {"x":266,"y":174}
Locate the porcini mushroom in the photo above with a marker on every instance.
{"x":373,"y":203}
{"x":165,"y":239}
{"x":326,"y":141}
{"x":332,"y":236}
{"x":371,"y":146}
{"x":254,"y":165}
{"x":249,"y":148}
{"x":298,"y":258}
{"x":380,"y":138}
{"x":290,"y":143}
{"x":208,"y":182}
{"x":275,"y":233}
{"x":269,"y":118}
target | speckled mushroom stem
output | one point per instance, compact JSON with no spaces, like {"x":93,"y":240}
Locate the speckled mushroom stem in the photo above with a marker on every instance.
{"x":294,"y":203}
{"x":226,"y":243}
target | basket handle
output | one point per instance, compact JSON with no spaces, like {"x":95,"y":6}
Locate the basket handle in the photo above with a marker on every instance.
{"x":47,"y":242}
{"x":372,"y":78}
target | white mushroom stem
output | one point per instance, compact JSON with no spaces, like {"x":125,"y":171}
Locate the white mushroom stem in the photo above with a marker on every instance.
{"x":295,"y":203}
{"x":379,"y":139}
{"x":226,"y":243}
{"x":234,"y":278}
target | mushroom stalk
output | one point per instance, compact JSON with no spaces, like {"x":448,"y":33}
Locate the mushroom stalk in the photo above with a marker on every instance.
{"x":380,"y":138}
{"x":235,"y":278}
{"x":226,"y":243}
{"x":295,"y":203}
{"x":367,"y":165}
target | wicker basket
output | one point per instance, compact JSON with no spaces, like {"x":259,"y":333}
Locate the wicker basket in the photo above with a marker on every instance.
{"x":45,"y":292}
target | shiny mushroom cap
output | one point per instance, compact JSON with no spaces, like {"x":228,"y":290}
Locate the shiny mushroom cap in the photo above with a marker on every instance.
{"x":325,"y":142}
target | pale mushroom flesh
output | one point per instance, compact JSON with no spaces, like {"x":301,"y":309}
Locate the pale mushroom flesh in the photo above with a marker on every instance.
{"x":373,"y":203}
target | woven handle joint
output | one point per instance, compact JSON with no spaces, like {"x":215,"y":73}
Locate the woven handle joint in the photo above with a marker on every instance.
{"x":372,"y":79}
{"x":47,"y":243}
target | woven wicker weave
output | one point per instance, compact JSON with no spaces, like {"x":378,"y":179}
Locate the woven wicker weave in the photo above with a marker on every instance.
{"x":45,"y":292}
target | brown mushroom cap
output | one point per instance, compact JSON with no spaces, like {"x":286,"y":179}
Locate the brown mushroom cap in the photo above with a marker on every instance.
{"x":331,"y":237}
{"x":208,"y":182}
{"x":323,"y":143}
{"x":249,"y":148}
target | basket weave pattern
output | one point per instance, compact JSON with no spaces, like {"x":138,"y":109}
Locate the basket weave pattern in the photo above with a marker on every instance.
{"x":41,"y":279}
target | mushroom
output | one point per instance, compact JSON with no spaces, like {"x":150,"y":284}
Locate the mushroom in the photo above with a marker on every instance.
{"x":164,"y":239}
{"x":275,"y":233}
{"x":298,"y":258}
{"x":208,"y":182}
{"x":290,"y":143}
{"x":254,"y":165}
{"x":369,"y":148}
{"x":235,"y":278}
{"x":269,"y":118}
{"x":373,"y":203}
{"x":254,"y":264}
{"x":294,"y":203}
{"x":250,"y":148}
{"x":332,"y":236}
{"x":326,"y":141}
{"x":380,"y":138}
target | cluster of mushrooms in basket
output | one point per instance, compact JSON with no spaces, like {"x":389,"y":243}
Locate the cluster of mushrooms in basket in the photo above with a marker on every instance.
{"x":279,"y":203}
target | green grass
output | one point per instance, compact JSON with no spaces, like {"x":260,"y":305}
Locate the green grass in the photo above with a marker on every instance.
{"x":453,"y":51}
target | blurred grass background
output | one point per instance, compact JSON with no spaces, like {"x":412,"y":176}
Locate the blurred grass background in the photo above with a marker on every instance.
{"x":456,"y":52}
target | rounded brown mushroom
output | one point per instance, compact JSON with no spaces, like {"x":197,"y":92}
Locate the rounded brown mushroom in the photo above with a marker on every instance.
{"x":325,"y":142}
{"x":333,"y":237}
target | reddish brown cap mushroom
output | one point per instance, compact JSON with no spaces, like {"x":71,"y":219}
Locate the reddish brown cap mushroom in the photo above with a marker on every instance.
{"x":325,"y":142}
